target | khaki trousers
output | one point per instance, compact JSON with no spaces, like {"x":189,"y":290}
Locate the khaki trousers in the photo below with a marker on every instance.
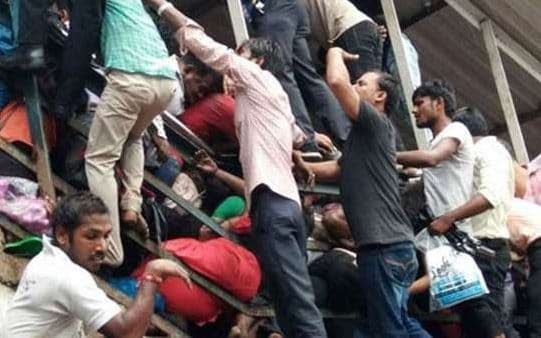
{"x":129,"y":104}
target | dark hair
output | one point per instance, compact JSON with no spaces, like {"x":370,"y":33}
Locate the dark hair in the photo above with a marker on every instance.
{"x":64,"y":4}
{"x":438,"y":89}
{"x":71,"y":210}
{"x":472,"y":118}
{"x":215,"y":79}
{"x":391,"y":86}
{"x":269,"y":50}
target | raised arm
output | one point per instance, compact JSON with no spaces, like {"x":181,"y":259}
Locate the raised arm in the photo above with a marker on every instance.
{"x":192,"y":36}
{"x":428,"y":158}
{"x":338,"y":80}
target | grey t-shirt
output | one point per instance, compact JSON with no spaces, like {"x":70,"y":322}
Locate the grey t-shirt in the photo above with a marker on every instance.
{"x":369,"y":182}
{"x":449,"y":184}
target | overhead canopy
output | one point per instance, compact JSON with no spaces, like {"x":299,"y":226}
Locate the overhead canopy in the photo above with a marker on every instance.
{"x":449,"y":47}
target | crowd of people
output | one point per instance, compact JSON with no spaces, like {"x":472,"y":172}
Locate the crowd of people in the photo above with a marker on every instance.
{"x":117,"y":66}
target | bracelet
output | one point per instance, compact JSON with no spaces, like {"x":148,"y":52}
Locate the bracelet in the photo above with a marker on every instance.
{"x":163,"y":7}
{"x":150,"y":278}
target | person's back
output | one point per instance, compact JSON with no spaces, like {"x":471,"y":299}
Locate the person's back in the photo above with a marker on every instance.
{"x":493,"y":163}
{"x":130,"y":41}
{"x":141,"y":82}
{"x":212,"y":119}
{"x":369,"y":182}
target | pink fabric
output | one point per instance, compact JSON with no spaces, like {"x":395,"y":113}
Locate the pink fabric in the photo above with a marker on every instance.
{"x":533,"y":188}
{"x":22,"y":206}
{"x":264,"y":123}
{"x":524,"y":223}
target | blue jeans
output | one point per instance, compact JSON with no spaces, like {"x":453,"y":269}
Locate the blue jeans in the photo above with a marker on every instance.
{"x":280,"y":243}
{"x":386,"y":273}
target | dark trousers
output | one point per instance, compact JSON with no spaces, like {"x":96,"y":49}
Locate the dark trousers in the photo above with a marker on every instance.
{"x":280,"y":245}
{"x":362,"y":39}
{"x":83,"y":40}
{"x":386,"y":272}
{"x":485,"y":317}
{"x":29,"y":24}
{"x":287,"y":23}
{"x":534,"y":290}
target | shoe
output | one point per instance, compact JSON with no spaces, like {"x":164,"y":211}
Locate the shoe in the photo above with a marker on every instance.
{"x":24,"y":58}
{"x":27,"y":247}
{"x":310,"y":152}
{"x":135,"y":221}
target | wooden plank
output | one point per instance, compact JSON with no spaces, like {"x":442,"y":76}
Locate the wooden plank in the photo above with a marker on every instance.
{"x":111,"y":292}
{"x":504,"y":92}
{"x":27,"y":162}
{"x":39,"y":141}
{"x":395,"y":33}
{"x":504,"y":41}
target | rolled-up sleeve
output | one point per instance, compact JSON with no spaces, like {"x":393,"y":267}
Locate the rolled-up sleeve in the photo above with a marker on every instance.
{"x":216,"y":55}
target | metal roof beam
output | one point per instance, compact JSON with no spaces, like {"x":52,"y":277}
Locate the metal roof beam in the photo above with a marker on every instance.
{"x":395,"y":34}
{"x":504,"y":41}
{"x":237,"y":20}
{"x":504,"y":92}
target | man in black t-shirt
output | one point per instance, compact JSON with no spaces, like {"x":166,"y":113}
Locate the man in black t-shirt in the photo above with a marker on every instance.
{"x":369,"y":187}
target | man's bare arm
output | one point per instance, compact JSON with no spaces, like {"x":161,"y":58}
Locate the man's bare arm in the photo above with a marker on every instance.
{"x":325,"y":171}
{"x":134,"y":321}
{"x":476,"y":205}
{"x":338,"y":80}
{"x":428,"y":158}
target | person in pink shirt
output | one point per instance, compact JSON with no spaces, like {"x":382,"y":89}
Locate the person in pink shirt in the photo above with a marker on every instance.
{"x":533,"y":188}
{"x":267,"y":132}
{"x":524,"y":224}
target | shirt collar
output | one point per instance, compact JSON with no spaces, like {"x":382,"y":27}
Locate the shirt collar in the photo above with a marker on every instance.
{"x":52,"y":250}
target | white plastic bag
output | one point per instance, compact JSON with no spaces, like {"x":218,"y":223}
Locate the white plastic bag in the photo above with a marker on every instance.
{"x":454,"y":276}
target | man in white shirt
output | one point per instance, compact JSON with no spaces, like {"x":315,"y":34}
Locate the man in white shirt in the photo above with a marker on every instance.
{"x":448,"y":163}
{"x":494,"y":188}
{"x":58,"y":297}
